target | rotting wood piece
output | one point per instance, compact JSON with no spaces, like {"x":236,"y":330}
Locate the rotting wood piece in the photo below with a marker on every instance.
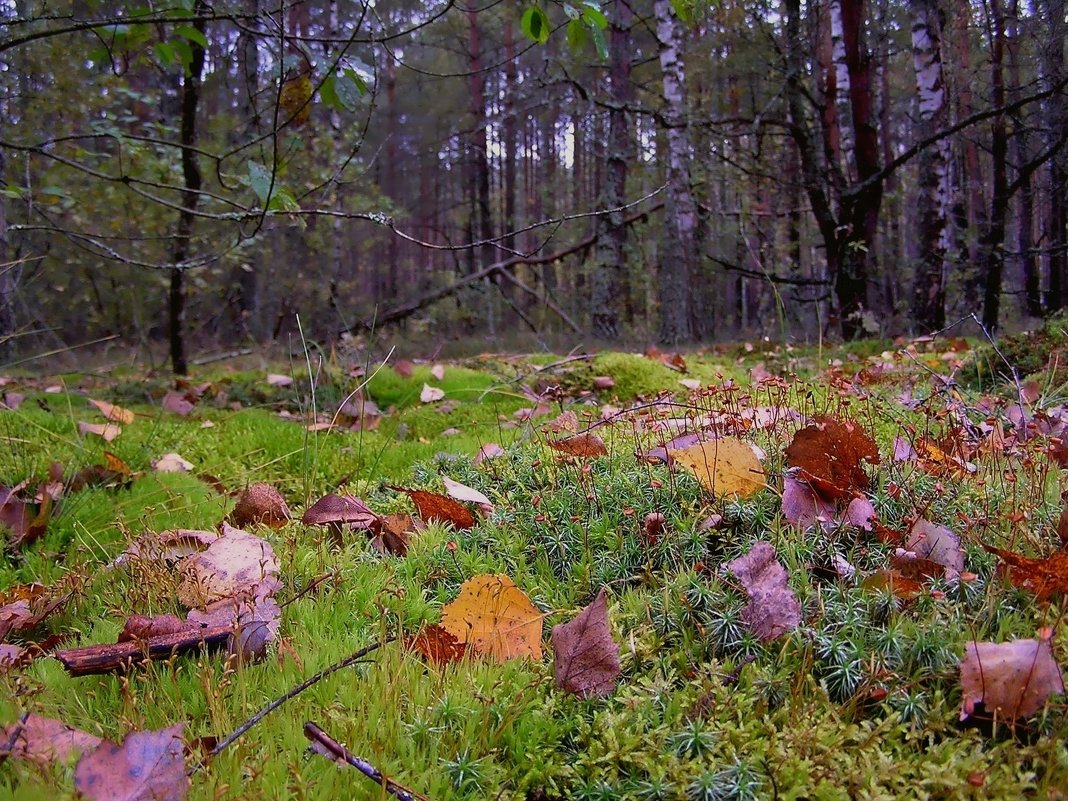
{"x":117,"y":657}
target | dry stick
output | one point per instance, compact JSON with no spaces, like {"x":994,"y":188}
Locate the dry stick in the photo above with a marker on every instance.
{"x":304,"y":685}
{"x":341,"y":754}
{"x":116,"y":657}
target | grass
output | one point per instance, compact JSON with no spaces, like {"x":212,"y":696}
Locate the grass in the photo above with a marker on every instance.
{"x":861,"y":701}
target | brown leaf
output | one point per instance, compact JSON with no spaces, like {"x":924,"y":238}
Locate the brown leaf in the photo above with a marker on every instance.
{"x":148,"y":766}
{"x":26,"y":605}
{"x":437,"y":646}
{"x":1044,"y":577}
{"x":672,"y":360}
{"x":106,"y":431}
{"x":897,"y":582}
{"x":585,"y":657}
{"x":391,"y":534}
{"x":584,"y":446}
{"x":495,"y":618}
{"x":773,"y":608}
{"x":439,"y":508}
{"x":566,"y":423}
{"x":1062,"y":525}
{"x":113,"y":414}
{"x":339,"y":509}
{"x":1011,"y":679}
{"x":829,"y":454}
{"x":177,"y":403}
{"x":167,"y":546}
{"x":802,"y":507}
{"x":44,"y":740}
{"x":237,"y":563}
{"x":725,"y":467}
{"x":260,"y":504}
{"x":26,"y":520}
{"x":403,"y":368}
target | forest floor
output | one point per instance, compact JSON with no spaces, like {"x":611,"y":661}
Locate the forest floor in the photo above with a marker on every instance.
{"x":900,"y":638}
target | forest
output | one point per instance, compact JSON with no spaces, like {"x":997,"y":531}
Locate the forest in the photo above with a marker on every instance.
{"x":203,"y":175}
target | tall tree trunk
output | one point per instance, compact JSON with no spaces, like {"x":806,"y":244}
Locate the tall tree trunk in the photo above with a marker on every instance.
{"x":1055,"y":224}
{"x":482,"y":223}
{"x":7,"y":275}
{"x":935,"y":197}
{"x":971,"y":180}
{"x":609,"y":265}
{"x":190,"y":98}
{"x":509,"y":146}
{"x":992,"y":241}
{"x":678,"y":255}
{"x":1021,"y":153}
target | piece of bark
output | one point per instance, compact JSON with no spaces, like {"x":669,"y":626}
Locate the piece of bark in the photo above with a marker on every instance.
{"x":116,"y":657}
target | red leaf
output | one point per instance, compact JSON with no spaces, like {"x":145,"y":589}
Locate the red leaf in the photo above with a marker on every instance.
{"x":829,"y":454}
{"x":436,"y":646}
{"x":439,"y":508}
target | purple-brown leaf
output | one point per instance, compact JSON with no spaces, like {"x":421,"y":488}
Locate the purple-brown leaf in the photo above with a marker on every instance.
{"x":773,"y":609}
{"x":1010,"y":679}
{"x":148,"y":766}
{"x":585,"y":657}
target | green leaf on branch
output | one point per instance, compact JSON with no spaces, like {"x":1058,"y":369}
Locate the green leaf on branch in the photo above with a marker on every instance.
{"x":535,"y":25}
{"x":576,"y":35}
{"x":259,"y":178}
{"x":598,"y":39}
{"x":594,"y":16}
{"x":192,"y":34}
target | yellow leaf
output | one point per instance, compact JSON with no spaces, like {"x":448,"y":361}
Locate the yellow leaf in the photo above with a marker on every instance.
{"x":495,"y":618}
{"x":724,"y":467}
{"x":295,"y":100}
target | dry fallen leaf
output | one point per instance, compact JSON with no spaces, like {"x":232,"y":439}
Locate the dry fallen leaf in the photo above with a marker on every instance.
{"x":439,"y":508}
{"x":462,"y":492}
{"x":1012,"y":680}
{"x":584,"y":446}
{"x":491,"y":450}
{"x":106,"y":431}
{"x":391,"y":534}
{"x":25,"y":605}
{"x":431,"y":394}
{"x":585,"y":657}
{"x":438,"y":371}
{"x":148,"y":766}
{"x":829,"y":454}
{"x":725,"y":467}
{"x":113,"y":414}
{"x":495,"y":618}
{"x":802,"y":507}
{"x":167,"y":546}
{"x":436,"y":645}
{"x":237,"y":563}
{"x":938,"y":544}
{"x":44,"y":740}
{"x":177,"y":403}
{"x":773,"y":608}
{"x":278,"y":380}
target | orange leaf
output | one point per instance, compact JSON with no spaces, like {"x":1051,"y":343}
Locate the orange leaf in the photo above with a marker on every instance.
{"x":439,"y":508}
{"x":495,"y":618}
{"x":436,"y":646}
{"x":113,"y":413}
{"x":1044,"y":577}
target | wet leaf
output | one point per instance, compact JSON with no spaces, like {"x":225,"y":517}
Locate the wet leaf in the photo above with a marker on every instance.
{"x":725,"y":467}
{"x":802,"y":507}
{"x":436,"y":645}
{"x":938,"y":544}
{"x":773,"y":608}
{"x":495,"y":618}
{"x":140,"y":627}
{"x":829,"y":454}
{"x":585,"y":657}
{"x":1012,"y":680}
{"x":433,"y":507}
{"x":25,"y":605}
{"x":45,"y":740}
{"x":1046,"y":578}
{"x":391,"y":534}
{"x":147,"y":765}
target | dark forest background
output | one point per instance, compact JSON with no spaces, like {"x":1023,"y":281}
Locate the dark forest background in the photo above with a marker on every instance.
{"x":194,"y":175}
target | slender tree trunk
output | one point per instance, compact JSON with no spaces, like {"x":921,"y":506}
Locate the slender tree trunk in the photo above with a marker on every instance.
{"x":190,"y":98}
{"x":1021,"y":153}
{"x":971,"y":178}
{"x":1055,"y":224}
{"x":7,"y":275}
{"x":678,"y":255}
{"x":509,"y":145}
{"x":609,"y":267}
{"x":992,"y":241}
{"x":482,"y":223}
{"x":935,"y":197}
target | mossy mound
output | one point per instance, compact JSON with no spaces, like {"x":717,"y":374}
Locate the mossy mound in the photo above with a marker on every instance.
{"x":1042,"y":353}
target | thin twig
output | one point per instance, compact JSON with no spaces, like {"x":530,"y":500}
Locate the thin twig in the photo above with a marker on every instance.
{"x":341,"y":754}
{"x":304,"y":685}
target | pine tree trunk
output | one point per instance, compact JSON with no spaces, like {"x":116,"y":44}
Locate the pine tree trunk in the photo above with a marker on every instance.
{"x":992,"y":241}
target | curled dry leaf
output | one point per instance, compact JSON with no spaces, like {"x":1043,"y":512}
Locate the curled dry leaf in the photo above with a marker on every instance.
{"x":431,"y":394}
{"x":177,"y":403}
{"x":237,"y":563}
{"x":584,"y":446}
{"x":44,"y":740}
{"x":106,"y":431}
{"x":565,"y":423}
{"x":436,"y":645}
{"x":938,"y":544}
{"x":148,"y":765}
{"x":114,"y":414}
{"x":491,"y":450}
{"x":278,"y":380}
{"x":439,"y":508}
{"x":725,"y":467}
{"x":391,"y":534}
{"x":26,"y":605}
{"x":462,"y":492}
{"x":495,"y":618}
{"x":585,"y":657}
{"x":773,"y":608}
{"x":1012,"y":680}
{"x":829,"y":454}
{"x":1046,"y":578}
{"x":260,"y":504}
